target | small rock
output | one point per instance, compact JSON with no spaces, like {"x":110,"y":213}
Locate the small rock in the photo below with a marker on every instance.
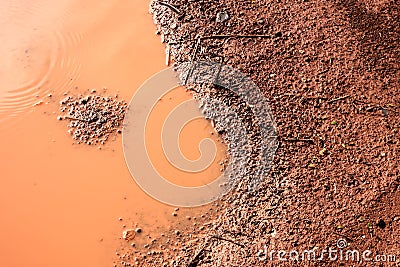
{"x":128,"y":234}
{"x":273,"y":233}
{"x":138,"y":230}
{"x":222,"y":16}
{"x":381,"y":224}
{"x":323,"y":152}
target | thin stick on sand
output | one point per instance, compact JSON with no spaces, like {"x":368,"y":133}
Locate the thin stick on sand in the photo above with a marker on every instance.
{"x":167,"y":54}
{"x":222,"y":36}
{"x":173,"y":8}
{"x":196,"y":48}
{"x":196,"y":259}
{"x":227,"y":240}
{"x":74,"y":119}
{"x":339,"y":98}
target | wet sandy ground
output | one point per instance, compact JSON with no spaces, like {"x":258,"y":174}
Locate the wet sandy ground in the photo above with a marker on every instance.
{"x":330,"y":71}
{"x":60,"y":202}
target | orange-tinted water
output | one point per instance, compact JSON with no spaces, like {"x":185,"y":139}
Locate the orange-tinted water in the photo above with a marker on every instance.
{"x":60,"y":202}
{"x":191,"y":136}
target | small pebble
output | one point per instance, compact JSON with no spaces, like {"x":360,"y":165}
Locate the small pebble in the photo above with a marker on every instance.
{"x":381,"y":224}
{"x":222,"y":16}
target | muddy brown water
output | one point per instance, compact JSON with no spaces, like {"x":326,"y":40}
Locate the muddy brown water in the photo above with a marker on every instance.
{"x":60,"y":202}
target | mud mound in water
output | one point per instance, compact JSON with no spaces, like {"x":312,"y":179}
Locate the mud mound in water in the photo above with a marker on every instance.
{"x":93,"y":118}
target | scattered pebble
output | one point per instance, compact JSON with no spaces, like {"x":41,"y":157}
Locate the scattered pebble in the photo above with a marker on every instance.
{"x":222,"y":17}
{"x":381,"y":224}
{"x":128,"y":234}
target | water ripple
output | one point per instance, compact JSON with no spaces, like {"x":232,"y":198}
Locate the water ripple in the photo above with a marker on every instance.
{"x":38,"y":57}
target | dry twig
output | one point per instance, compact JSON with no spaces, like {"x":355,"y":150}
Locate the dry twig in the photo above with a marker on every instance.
{"x":339,"y":98}
{"x":173,"y":8}
{"x":227,"y":240}
{"x":222,"y":36}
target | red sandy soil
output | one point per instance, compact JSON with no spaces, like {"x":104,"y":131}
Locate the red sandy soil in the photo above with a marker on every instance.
{"x":330,"y":70}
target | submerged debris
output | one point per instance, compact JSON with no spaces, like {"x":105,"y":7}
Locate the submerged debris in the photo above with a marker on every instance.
{"x":129,"y":234}
{"x":93,"y":118}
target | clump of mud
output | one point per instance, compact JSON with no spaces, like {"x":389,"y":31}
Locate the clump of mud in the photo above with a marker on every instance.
{"x":93,"y":119}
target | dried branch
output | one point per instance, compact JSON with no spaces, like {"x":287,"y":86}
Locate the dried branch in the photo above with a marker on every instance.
{"x":339,"y":98}
{"x":173,"y":8}
{"x":227,"y":240}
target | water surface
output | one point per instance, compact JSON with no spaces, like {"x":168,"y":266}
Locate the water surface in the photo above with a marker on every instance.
{"x":60,"y":203}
